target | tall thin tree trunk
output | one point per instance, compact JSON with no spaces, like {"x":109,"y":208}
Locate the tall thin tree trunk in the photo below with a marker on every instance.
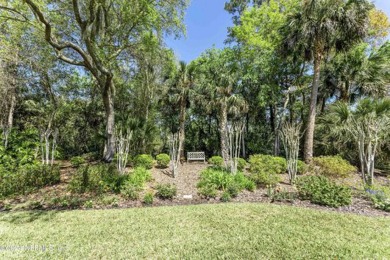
{"x":344,"y":93}
{"x":222,"y":130}
{"x":182,"y":120}
{"x":274,"y":125}
{"x":108,"y":100}
{"x":10,"y":120}
{"x":309,"y":139}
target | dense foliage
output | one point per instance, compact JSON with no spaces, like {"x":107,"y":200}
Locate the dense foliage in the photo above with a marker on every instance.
{"x":135,"y":183}
{"x":216,"y":161}
{"x":93,"y":83}
{"x":27,"y":178}
{"x":166,"y":191}
{"x":322,"y":191}
{"x":163,"y":160}
{"x":333,"y":166}
{"x":97,"y":178}
{"x":213,"y":179}
{"x":144,"y":160}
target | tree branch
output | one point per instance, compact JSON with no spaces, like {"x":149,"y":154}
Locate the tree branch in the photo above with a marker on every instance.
{"x":76,"y":10}
{"x":50,"y":38}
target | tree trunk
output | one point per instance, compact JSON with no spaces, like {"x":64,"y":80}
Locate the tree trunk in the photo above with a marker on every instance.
{"x":309,"y":139}
{"x":344,"y":95}
{"x":274,"y":126}
{"x":10,"y":120}
{"x":222,"y":130}
{"x":108,"y":100}
{"x":182,"y":120}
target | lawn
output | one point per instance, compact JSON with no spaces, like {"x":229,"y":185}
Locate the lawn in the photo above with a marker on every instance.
{"x":225,"y":231}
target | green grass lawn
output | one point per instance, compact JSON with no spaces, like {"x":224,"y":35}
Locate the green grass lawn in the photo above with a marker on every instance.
{"x":225,"y":231}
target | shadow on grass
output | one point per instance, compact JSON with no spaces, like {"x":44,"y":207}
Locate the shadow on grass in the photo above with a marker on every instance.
{"x":27,"y":216}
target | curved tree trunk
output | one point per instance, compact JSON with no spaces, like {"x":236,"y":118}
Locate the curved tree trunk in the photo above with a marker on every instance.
{"x":309,"y":138}
{"x":222,"y":130}
{"x":108,"y":100}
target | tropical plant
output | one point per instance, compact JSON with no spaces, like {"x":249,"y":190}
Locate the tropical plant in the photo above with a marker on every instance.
{"x":318,"y":27}
{"x":366,"y":124}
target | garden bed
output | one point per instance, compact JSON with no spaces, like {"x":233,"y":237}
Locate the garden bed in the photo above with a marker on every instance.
{"x":59,"y":197}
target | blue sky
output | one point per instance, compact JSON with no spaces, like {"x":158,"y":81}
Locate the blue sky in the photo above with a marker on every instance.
{"x":207,"y":23}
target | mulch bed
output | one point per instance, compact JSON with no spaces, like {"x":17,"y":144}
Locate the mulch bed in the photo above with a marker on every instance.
{"x":186,"y":181}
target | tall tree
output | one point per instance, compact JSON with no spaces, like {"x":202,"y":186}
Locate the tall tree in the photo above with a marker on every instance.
{"x":319,"y":27}
{"x":100,"y":36}
{"x":183,"y":82}
{"x":217,"y":81}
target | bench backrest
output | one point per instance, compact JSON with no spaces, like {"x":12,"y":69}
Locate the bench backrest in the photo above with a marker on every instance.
{"x":196,"y":156}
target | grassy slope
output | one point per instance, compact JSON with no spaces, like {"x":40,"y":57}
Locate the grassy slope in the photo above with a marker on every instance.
{"x":228,"y":231}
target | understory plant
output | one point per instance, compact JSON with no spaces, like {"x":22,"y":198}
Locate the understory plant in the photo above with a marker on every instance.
{"x":135,"y":183}
{"x":27,"y":178}
{"x":97,"y":179}
{"x":144,"y":160}
{"x":380,"y":196}
{"x":213,"y":179}
{"x":77,"y":161}
{"x":166,"y":191}
{"x":163,"y":160}
{"x":321,"y":190}
{"x":265,"y":169}
{"x":333,"y":166}
{"x":216,"y":161}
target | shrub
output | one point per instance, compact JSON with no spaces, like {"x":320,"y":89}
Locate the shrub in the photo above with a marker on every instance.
{"x":66,"y":202}
{"x":77,"y":161}
{"x":208,"y":191}
{"x":97,"y":178}
{"x":265,"y":169}
{"x":320,"y":190}
{"x":109,"y":200}
{"x":216,"y":161}
{"x":27,"y":178}
{"x":148,"y":198}
{"x":250,"y":185}
{"x":92,"y":156}
{"x":144,"y":160}
{"x":88,"y":204}
{"x":139,"y":176}
{"x":282,"y":195}
{"x":166,"y":191}
{"x":302,"y":167}
{"x":244,"y":182}
{"x":217,"y":179}
{"x":233,"y":189}
{"x":267,"y":163}
{"x":163,"y":160}
{"x":226,"y":197}
{"x":263,"y":178}
{"x":37,"y":176}
{"x":241,"y":164}
{"x":135,"y":183}
{"x":380,"y":196}
{"x":130,"y":191}
{"x":333,"y":166}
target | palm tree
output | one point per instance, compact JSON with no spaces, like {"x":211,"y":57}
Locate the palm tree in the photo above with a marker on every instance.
{"x":322,"y":26}
{"x":184,"y":81}
{"x":355,"y":74}
{"x":217,"y":77}
{"x":367,"y":124}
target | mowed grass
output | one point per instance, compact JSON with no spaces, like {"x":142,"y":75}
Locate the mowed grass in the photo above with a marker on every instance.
{"x":223,"y":231}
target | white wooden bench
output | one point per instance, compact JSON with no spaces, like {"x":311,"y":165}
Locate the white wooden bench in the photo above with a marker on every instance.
{"x":196,"y":156}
